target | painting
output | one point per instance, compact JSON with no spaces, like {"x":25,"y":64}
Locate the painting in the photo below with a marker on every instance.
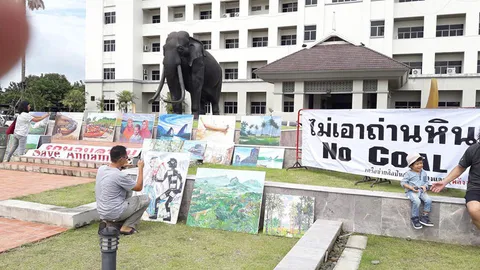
{"x":288,"y":215}
{"x":260,"y":130}
{"x":165,"y":175}
{"x":228,"y":200}
{"x":175,"y":126}
{"x":195,"y":148}
{"x":67,"y":126}
{"x":162,"y":145}
{"x":219,"y":153}
{"x":245,"y":156}
{"x":38,"y":128}
{"x":32,"y":142}
{"x":100,"y":127}
{"x":271,"y":158}
{"x":217,"y":128}
{"x":134,"y":127}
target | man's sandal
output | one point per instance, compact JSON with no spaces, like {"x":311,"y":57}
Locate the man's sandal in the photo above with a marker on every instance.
{"x":132,"y":231}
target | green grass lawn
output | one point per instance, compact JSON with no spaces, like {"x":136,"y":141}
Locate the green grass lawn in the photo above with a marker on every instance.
{"x":82,"y":194}
{"x":238,"y":126}
{"x":157,"y":246}
{"x":397,"y":253}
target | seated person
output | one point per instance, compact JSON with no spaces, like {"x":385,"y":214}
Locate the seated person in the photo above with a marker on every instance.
{"x":113,"y":190}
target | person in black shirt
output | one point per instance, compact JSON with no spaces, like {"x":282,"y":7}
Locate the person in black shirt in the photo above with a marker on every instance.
{"x":471,"y":158}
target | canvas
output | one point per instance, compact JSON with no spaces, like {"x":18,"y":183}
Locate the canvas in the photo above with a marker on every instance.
{"x":100,"y":127}
{"x":245,"y":156}
{"x":219,"y":153}
{"x":216,"y":128}
{"x":165,"y":175}
{"x":32,"y":142}
{"x":175,"y":126}
{"x":38,"y":128}
{"x":288,"y":215}
{"x":162,"y":145}
{"x":271,"y":158}
{"x":134,"y":127}
{"x":229,"y":200}
{"x":67,"y":126}
{"x":260,"y":130}
{"x":195,"y":148}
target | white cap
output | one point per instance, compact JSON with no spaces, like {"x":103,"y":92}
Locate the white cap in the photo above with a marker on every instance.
{"x":412,"y":157}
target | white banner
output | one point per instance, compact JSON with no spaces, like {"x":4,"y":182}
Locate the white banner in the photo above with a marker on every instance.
{"x":376,"y":143}
{"x":77,"y":152}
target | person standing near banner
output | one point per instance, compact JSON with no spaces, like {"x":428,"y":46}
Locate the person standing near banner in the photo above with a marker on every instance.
{"x":471,"y":158}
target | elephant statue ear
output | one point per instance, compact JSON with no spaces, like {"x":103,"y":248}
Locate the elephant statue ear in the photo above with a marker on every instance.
{"x":196,"y":50}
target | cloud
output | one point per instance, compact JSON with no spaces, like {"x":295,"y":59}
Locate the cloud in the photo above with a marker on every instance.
{"x":57,"y":42}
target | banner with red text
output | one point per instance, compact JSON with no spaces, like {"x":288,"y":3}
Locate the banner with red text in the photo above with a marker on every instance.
{"x":376,"y":143}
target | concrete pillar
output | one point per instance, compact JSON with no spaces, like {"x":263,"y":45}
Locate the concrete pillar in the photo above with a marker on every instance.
{"x":471,"y":23}
{"x":357,"y":94}
{"x":242,"y":69}
{"x":430,"y":26}
{"x":273,"y":6}
{"x":273,"y":36}
{"x":469,"y":97}
{"x":244,"y":9}
{"x":242,"y":103}
{"x":164,"y":15}
{"x":189,"y":10}
{"x":215,"y":11}
{"x":277,"y":97}
{"x":382,"y":94}
{"x":299,"y":97}
{"x":243,"y":38}
{"x":300,"y":22}
{"x":470,"y":60}
{"x":215,"y":40}
{"x":428,"y":62}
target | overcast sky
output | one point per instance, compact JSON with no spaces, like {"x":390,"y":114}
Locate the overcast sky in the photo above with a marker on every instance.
{"x":57,"y":42}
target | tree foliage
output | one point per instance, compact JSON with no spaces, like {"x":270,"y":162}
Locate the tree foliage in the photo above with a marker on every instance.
{"x":124,"y":99}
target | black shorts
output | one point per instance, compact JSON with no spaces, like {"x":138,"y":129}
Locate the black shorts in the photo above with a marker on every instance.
{"x":472,"y":195}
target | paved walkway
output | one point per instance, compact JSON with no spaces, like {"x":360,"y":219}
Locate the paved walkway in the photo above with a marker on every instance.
{"x":15,"y":233}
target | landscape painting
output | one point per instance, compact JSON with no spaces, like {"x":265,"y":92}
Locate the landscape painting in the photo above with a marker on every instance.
{"x":219,"y":153}
{"x":165,"y":175}
{"x":32,"y":142}
{"x":100,"y":127}
{"x":216,"y":128}
{"x":175,"y":126}
{"x":195,"y":148}
{"x":288,"y":215}
{"x":260,"y":130}
{"x":134,"y":127}
{"x":162,"y":145}
{"x":67,"y":126}
{"x":38,"y":128}
{"x":245,"y":156}
{"x":228,"y":200}
{"x":271,"y":158}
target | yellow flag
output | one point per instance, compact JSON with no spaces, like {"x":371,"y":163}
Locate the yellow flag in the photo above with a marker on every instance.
{"x":433,"y":96}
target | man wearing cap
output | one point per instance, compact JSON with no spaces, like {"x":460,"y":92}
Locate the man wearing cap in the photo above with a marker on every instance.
{"x":471,"y":158}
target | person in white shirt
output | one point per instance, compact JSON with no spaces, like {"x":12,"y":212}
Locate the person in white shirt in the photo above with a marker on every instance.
{"x":22,"y":126}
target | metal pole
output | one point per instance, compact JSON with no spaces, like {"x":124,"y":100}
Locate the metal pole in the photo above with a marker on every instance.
{"x":108,"y":246}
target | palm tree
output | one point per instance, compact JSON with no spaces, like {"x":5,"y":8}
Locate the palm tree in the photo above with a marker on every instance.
{"x":251,"y":127}
{"x":256,"y":130}
{"x":125,"y":98}
{"x":101,"y":103}
{"x":271,"y":122}
{"x":264,"y":124}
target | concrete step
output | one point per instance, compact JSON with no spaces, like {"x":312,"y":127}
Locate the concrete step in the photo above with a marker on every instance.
{"x":49,"y":169}
{"x":59,"y":162}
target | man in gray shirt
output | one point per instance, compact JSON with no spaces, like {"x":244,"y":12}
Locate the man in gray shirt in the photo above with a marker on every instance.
{"x":113,"y":192}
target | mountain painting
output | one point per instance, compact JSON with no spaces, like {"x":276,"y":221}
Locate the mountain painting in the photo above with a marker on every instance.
{"x":100,"y":127}
{"x":219,"y":153}
{"x":245,"y":156}
{"x":288,"y":215}
{"x":177,"y":126}
{"x":67,"y":126}
{"x":228,"y":200}
{"x":195,"y":148}
{"x":216,"y":128}
{"x":38,"y":128}
{"x":32,"y":142}
{"x":161,"y":145}
{"x":271,"y":158}
{"x":260,"y":130}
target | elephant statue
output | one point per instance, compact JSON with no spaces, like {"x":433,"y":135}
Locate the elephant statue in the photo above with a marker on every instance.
{"x":188,"y":67}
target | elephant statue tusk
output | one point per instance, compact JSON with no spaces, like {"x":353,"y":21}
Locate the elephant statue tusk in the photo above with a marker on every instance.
{"x":159,"y":89}
{"x":182,"y":86}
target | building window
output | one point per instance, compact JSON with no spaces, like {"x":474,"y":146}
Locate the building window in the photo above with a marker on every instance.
{"x":260,"y":42}
{"x":377,"y":28}
{"x":256,"y":8}
{"x":109,"y":73}
{"x":208,"y":109}
{"x":207,"y":44}
{"x":156,"y":75}
{"x":92,"y":98}
{"x":449,"y":104}
{"x":407,"y":104}
{"x":410,"y":32}
{"x":230,"y":107}
{"x":310,"y":2}
{"x":341,"y":1}
{"x":110,"y":17}
{"x":258,"y":107}
{"x":156,"y":19}
{"x":290,"y":7}
{"x":178,"y":15}
{"x":414,"y":65}
{"x":404,"y":1}
{"x":231,"y":43}
{"x":156,"y":106}
{"x":205,"y":15}
{"x":288,"y":106}
{"x":233,"y":12}
{"x":109,"y":45}
{"x":288,"y":87}
{"x":450,"y":30}
{"x":310,"y":32}
{"x":441,"y":67}
{"x":267,"y":7}
{"x":109,"y":105}
{"x":478,"y":66}
{"x":231,"y":73}
{"x":288,"y":40}
{"x":254,"y":76}
{"x":155,"y":47}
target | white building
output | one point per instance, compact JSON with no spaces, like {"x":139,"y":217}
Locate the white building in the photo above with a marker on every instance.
{"x":437,"y":38}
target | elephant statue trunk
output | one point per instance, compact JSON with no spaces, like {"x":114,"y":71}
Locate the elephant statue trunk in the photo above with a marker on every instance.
{"x":162,"y":82}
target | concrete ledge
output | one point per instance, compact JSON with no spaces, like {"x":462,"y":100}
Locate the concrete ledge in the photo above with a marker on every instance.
{"x":309,"y":252}
{"x":350,"y":259}
{"x":49,"y":214}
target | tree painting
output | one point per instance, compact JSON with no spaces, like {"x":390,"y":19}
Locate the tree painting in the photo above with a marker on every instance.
{"x":288,"y":215}
{"x":260,"y":130}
